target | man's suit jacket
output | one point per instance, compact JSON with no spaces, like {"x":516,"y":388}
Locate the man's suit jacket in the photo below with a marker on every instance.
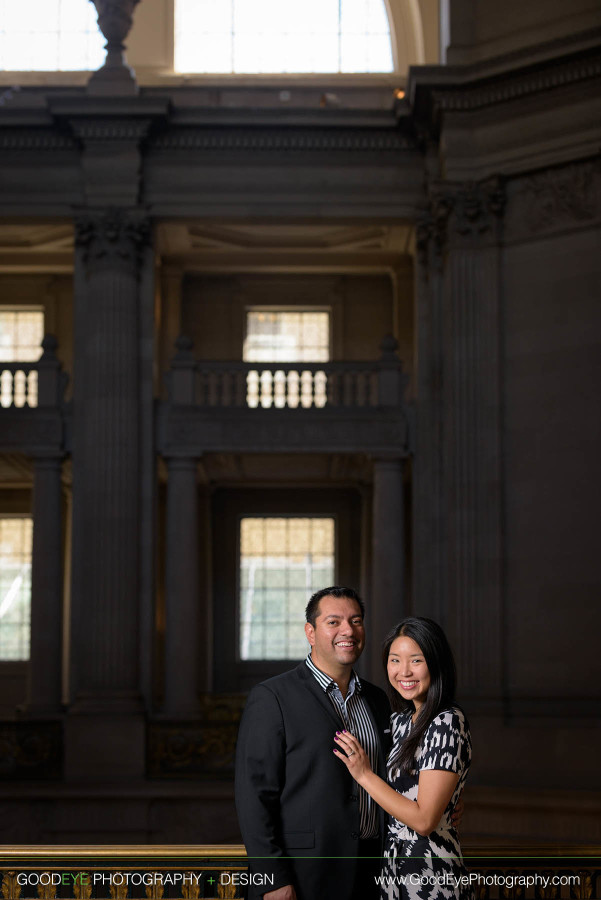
{"x":296,"y":800}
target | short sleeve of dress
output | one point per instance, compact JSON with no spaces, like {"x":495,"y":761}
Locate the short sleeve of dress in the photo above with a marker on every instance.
{"x":444,"y":745}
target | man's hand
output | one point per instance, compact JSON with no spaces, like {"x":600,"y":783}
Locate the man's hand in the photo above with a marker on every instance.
{"x":457,"y":814}
{"x":284,"y":893}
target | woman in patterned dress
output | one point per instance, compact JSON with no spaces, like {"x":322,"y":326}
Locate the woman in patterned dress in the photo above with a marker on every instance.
{"x":427,"y":767}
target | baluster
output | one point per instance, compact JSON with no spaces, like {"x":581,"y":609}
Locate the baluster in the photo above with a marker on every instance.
{"x":361,"y":397}
{"x":293,"y":388}
{"x":239,"y":387}
{"x":373,"y":388}
{"x":32,"y":388}
{"x":252,"y":389}
{"x":279,"y":388}
{"x":306,"y":386}
{"x":348,"y":388}
{"x":320,"y":382}
{"x":266,"y":387}
{"x":6,"y":388}
{"x":19,"y":388}
{"x":226,"y":388}
{"x":213,"y":388}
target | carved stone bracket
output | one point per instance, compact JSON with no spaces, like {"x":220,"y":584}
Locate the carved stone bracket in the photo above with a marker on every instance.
{"x":112,"y":239}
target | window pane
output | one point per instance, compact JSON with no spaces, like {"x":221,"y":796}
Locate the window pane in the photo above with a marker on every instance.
{"x":274,"y":336}
{"x":275,"y":36}
{"x":15,"y":586}
{"x":282,"y":562}
{"x":21,"y":334}
{"x":50,"y":35}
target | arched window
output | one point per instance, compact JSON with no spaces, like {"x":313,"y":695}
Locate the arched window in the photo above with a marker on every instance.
{"x":263,"y":36}
{"x":49,"y":35}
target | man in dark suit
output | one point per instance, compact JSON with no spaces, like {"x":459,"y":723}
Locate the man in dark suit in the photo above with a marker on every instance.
{"x":310,"y":832}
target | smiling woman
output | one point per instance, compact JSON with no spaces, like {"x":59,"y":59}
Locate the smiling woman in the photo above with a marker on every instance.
{"x":426,"y":767}
{"x":238,"y":36}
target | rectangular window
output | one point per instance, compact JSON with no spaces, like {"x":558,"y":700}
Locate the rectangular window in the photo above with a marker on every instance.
{"x":282,"y":562}
{"x":21,"y":333}
{"x":15,"y":586}
{"x":287,"y":336}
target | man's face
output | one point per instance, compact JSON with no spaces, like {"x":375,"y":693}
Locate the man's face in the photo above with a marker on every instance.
{"x":338,"y":637}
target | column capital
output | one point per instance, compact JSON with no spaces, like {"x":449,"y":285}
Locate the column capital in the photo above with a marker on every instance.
{"x":112,"y":239}
{"x":457,"y":213}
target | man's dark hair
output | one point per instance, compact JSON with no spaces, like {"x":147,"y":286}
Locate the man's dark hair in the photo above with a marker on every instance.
{"x":312,"y":610}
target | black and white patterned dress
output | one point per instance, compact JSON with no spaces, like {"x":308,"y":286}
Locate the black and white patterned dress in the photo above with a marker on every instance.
{"x":429,"y":866}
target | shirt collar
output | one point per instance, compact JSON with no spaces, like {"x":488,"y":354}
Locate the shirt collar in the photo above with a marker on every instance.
{"x":328,"y":683}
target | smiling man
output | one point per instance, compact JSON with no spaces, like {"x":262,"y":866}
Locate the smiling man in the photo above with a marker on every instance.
{"x":309,"y":830}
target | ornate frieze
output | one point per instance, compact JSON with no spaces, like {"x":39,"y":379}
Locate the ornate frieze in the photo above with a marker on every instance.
{"x":559,"y":197}
{"x":112,"y":239}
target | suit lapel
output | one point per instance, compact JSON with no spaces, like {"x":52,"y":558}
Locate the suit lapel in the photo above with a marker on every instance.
{"x":319,"y":694}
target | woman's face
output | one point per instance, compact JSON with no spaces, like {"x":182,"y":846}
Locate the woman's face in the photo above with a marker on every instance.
{"x":407,"y":670}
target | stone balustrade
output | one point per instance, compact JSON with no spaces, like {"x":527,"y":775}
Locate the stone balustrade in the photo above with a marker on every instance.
{"x":18,"y":385}
{"x":286,"y":385}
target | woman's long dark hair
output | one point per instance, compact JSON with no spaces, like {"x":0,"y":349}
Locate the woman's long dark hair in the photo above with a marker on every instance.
{"x":432,"y":641}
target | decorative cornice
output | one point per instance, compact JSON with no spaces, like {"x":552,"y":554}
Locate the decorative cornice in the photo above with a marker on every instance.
{"x":111,"y":129}
{"x":283,"y":139}
{"x":515,"y":87}
{"x":112,"y":239}
{"x":25,"y":139}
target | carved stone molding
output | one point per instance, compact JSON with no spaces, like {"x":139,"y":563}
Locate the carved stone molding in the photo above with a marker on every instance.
{"x":32,"y":139}
{"x":284,"y":139}
{"x":112,"y":239}
{"x":111,"y":130}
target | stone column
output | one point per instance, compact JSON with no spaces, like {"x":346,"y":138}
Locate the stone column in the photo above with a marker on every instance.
{"x":45,"y":664}
{"x":388,"y":602}
{"x":470,"y":216}
{"x":107,"y":495}
{"x":182,"y":615}
{"x":429,"y":558}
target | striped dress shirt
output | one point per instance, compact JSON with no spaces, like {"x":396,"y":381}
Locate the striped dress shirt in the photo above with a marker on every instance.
{"x":355,"y":718}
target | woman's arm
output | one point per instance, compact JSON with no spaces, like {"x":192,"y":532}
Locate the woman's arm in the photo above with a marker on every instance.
{"x":435,"y":788}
